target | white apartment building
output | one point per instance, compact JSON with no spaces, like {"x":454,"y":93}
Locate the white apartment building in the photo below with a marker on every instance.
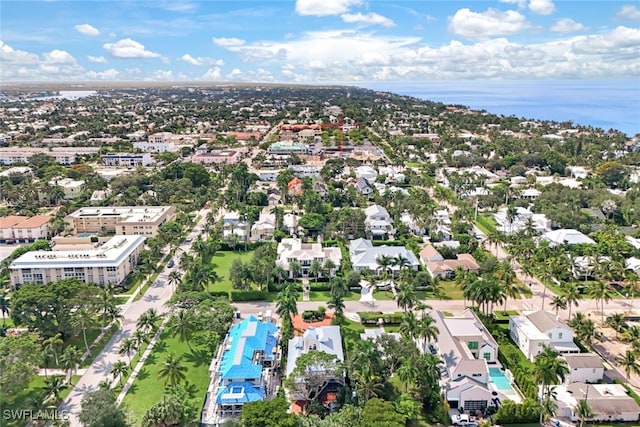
{"x":128,"y":160}
{"x":123,"y":220}
{"x":157,"y":143}
{"x":110,"y":263}
{"x":62,"y":155}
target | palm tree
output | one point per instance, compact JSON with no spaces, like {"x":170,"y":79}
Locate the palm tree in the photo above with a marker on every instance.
{"x":495,"y":238}
{"x":384,"y":264}
{"x":128,"y":346}
{"x":140,"y":337}
{"x":105,"y":303}
{"x":328,"y":267}
{"x":583,"y":411}
{"x":631,"y":282}
{"x":71,"y":359}
{"x":183,"y":325}
{"x":506,"y":275}
{"x":572,"y":295}
{"x":339,"y":286}
{"x":629,"y":361}
{"x":427,"y":330}
{"x":174,"y":279}
{"x":409,"y":327}
{"x":172,"y":370}
{"x":4,"y":307}
{"x":406,"y":297}
{"x":336,"y":303}
{"x":53,"y":345}
{"x":600,"y":292}
{"x":286,"y":304}
{"x":295,"y":269}
{"x":53,"y":387}
{"x":82,"y":320}
{"x":119,"y":369}
{"x":407,"y":373}
{"x":315,"y":269}
{"x":147,"y":321}
{"x":559,"y":302}
{"x":549,"y":370}
{"x":617,"y":322}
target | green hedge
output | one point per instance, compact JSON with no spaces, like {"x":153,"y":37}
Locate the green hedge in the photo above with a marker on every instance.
{"x":219,"y":294}
{"x":371,"y":318}
{"x":248,"y":295}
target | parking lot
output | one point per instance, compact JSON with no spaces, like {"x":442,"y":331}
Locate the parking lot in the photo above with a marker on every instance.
{"x":6,"y":250}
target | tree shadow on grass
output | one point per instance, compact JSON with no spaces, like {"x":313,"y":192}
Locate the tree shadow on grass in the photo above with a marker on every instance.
{"x":142,"y":375}
{"x":198,"y":357}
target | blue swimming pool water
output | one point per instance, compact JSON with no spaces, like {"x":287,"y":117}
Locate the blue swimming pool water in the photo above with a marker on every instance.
{"x":84,"y":235}
{"x":499,"y":379}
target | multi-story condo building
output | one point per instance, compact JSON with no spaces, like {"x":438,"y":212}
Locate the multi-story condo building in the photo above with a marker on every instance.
{"x":109,"y":263}
{"x":24,"y":229}
{"x":128,"y":160}
{"x":62,"y":155}
{"x":126,"y":220}
{"x":157,"y":143}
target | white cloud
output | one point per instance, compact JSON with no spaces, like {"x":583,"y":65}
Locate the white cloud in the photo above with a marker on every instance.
{"x":161,"y":75}
{"x":629,"y":11}
{"x":520,"y":3}
{"x":228,"y":41}
{"x":110,"y":74}
{"x":98,"y":59}
{"x":368,"y":19}
{"x":490,"y":23}
{"x":87,"y":30}
{"x":324,"y":7}
{"x":542,"y":7}
{"x":57,"y":56}
{"x":9,"y":54}
{"x":212,"y":74}
{"x":567,"y":25}
{"x":127,"y":49}
{"x":200,"y":60}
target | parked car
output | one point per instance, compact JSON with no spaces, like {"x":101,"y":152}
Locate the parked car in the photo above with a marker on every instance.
{"x":170,"y":264}
{"x":460,"y":420}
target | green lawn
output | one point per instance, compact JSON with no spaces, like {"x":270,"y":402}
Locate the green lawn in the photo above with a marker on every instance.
{"x":148,"y":389}
{"x":558,"y":290}
{"x":222,"y":260}
{"x":350,"y":333}
{"x":486,"y":224}
{"x":449,"y":290}
{"x":78,"y":342}
{"x":326,"y":296}
{"x":31,"y":397}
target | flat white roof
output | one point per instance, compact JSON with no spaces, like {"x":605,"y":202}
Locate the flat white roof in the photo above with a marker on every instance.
{"x":112,"y":253}
{"x":128,"y":214}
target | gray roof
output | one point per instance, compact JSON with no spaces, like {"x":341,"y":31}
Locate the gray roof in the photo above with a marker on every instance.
{"x":367,"y":258}
{"x":569,"y":235}
{"x":326,"y":338}
{"x":545,"y":320}
{"x":583,"y":360}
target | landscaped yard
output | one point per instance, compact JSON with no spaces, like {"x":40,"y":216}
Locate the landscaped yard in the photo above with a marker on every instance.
{"x":486,"y":224}
{"x":33,"y":394}
{"x":148,"y":388}
{"x":222,"y":261}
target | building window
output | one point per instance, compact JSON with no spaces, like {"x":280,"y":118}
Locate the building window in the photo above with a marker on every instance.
{"x":559,"y":335}
{"x":486,"y":356}
{"x":111,"y":268}
{"x":473,"y":345}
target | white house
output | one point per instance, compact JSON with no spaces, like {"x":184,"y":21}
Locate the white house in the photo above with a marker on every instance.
{"x":584,"y":368}
{"x":471,"y":366}
{"x":233,"y":223}
{"x":292,"y":249}
{"x":366,"y":172}
{"x":378,"y":222}
{"x":567,"y":235}
{"x":263,"y":229}
{"x":531,"y":331}
{"x":520,"y":220}
{"x":365,"y":256}
{"x":72,"y":188}
{"x":408,"y":221}
{"x":608,"y":402}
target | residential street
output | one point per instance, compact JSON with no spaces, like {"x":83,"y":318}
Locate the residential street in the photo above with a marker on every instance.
{"x":155,"y":297}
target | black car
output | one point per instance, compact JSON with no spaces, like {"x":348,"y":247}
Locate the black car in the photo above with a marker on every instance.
{"x":170,"y":264}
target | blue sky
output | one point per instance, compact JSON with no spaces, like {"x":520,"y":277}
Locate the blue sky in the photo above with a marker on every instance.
{"x":319,"y":41}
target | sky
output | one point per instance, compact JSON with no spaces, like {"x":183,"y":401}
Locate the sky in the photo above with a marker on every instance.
{"x":318,"y":41}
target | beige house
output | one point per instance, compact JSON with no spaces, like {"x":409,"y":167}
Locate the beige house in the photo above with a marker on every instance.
{"x":24,"y":229}
{"x":125,"y":220}
{"x":109,"y":263}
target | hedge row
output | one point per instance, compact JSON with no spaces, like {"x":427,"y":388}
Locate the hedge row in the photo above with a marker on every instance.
{"x":371,"y":318}
{"x":248,"y":295}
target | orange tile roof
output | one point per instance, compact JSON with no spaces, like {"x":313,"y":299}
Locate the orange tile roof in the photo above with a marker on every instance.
{"x":11,"y":220}
{"x":299,"y":325}
{"x":34,"y":221}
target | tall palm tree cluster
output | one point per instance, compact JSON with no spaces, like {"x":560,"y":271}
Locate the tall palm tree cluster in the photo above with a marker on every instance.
{"x":493,"y":288}
{"x":550,"y":370}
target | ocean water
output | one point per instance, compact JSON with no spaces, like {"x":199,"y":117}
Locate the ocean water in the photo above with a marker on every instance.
{"x":606,"y":104}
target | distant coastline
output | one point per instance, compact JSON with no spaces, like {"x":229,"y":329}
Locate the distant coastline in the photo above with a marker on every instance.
{"x":607,"y":104}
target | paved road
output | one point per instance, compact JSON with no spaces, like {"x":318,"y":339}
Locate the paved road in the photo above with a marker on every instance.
{"x":155,"y":297}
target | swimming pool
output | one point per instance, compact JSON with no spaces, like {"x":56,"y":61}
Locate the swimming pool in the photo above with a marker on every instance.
{"x":84,"y":235}
{"x":500,"y":379}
